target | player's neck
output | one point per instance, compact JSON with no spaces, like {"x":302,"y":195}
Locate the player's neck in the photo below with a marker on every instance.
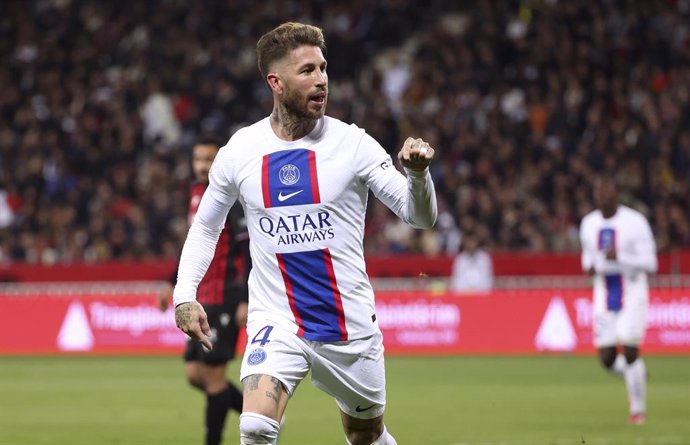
{"x":609,"y":211}
{"x":288,"y":127}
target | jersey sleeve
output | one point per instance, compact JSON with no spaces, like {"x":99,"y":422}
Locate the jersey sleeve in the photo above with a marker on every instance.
{"x":412,"y":198}
{"x":239,"y":229}
{"x":203,"y":234}
{"x":587,"y":256}
{"x":643,"y":256}
{"x":247,"y":259}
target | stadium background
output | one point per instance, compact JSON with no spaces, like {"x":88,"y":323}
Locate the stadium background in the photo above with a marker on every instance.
{"x":100,"y":103}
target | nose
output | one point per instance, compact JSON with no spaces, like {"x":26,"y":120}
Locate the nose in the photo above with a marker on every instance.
{"x":321,"y":77}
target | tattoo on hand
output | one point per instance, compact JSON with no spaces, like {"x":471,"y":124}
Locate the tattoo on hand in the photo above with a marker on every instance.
{"x":183,"y":315}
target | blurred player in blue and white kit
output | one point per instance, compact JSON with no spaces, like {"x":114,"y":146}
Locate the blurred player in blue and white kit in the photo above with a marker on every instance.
{"x":618,"y":251}
{"x":303,"y":179}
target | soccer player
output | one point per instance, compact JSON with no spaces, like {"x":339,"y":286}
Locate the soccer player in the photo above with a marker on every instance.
{"x":223,"y":294}
{"x":618,"y":251}
{"x":303,"y":179}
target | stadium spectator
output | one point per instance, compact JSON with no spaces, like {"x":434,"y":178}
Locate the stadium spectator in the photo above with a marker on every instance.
{"x":472,"y":268}
{"x":532,"y":98}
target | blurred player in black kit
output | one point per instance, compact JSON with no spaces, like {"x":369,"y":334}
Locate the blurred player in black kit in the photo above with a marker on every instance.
{"x":223,"y":294}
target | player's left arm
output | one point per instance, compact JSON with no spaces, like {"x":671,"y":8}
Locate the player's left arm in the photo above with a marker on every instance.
{"x":586,"y":257}
{"x":643,"y":255}
{"x":242,"y":310}
{"x":412,"y":197}
{"x":198,"y":251}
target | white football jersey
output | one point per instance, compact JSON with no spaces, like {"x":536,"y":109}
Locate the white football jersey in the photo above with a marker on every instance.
{"x":305,"y":203}
{"x":629,"y":234}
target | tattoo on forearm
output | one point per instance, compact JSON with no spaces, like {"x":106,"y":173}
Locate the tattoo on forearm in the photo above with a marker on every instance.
{"x":183,"y":315}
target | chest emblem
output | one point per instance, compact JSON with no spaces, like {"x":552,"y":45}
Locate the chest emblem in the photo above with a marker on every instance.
{"x":289,"y":174}
{"x":289,"y":178}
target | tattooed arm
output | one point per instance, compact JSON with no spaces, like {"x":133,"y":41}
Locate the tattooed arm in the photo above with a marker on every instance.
{"x":191,"y":318}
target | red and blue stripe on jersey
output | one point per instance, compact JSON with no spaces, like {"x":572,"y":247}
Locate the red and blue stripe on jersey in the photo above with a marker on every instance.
{"x":313,"y":294}
{"x":289,"y":178}
{"x":614,"y":282}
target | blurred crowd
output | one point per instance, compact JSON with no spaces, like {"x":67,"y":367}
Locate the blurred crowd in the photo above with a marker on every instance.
{"x":525,"y":102}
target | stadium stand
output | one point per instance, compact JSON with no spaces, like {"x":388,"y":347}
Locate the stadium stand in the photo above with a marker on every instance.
{"x":526,"y":101}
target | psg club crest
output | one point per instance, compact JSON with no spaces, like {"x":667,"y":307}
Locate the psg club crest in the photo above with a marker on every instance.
{"x":257,"y":356}
{"x":288,"y":174}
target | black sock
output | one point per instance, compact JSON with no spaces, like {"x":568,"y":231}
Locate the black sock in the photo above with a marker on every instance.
{"x":216,"y":412}
{"x":217,"y":406}
{"x":232,"y":398}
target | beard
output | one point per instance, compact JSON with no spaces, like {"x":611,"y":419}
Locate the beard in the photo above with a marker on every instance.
{"x":296,"y":105}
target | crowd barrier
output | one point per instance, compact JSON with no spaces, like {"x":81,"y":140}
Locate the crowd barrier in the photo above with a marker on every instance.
{"x":505,"y":264}
{"x":416,"y":322}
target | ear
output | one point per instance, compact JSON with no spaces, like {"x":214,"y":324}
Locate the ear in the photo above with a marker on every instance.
{"x":275,"y":82}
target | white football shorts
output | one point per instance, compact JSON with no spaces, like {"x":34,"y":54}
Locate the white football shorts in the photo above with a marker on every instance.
{"x":352,"y":372}
{"x":624,"y":327}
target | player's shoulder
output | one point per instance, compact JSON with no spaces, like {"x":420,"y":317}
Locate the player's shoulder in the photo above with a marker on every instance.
{"x":243,"y":137}
{"x":247,"y":134}
{"x":591,"y":217}
{"x":360,"y":143}
{"x":631,"y":214}
{"x":335,"y":126}
{"x":333,"y":123}
{"x":349,"y":138}
{"x":626,"y":210}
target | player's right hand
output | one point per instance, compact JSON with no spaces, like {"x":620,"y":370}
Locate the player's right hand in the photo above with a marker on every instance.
{"x":191,"y":318}
{"x":416,"y":154}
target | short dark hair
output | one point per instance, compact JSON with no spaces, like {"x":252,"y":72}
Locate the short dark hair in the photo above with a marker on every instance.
{"x":208,"y":139}
{"x":607,"y":179}
{"x":277,"y":43}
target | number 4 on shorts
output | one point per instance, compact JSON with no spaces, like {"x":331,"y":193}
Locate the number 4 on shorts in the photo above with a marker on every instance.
{"x":264,"y":339}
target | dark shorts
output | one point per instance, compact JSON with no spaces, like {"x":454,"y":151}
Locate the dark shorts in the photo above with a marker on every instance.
{"x":224,"y":337}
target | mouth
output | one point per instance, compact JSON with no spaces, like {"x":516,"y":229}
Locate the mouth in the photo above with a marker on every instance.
{"x":318,"y":99}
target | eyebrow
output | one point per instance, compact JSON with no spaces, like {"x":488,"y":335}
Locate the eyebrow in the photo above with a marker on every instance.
{"x":311,"y":64}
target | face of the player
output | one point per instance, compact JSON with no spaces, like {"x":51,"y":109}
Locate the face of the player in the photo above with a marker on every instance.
{"x":471,"y":244}
{"x":606,"y":197}
{"x":305,"y":83}
{"x":202,"y":158}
